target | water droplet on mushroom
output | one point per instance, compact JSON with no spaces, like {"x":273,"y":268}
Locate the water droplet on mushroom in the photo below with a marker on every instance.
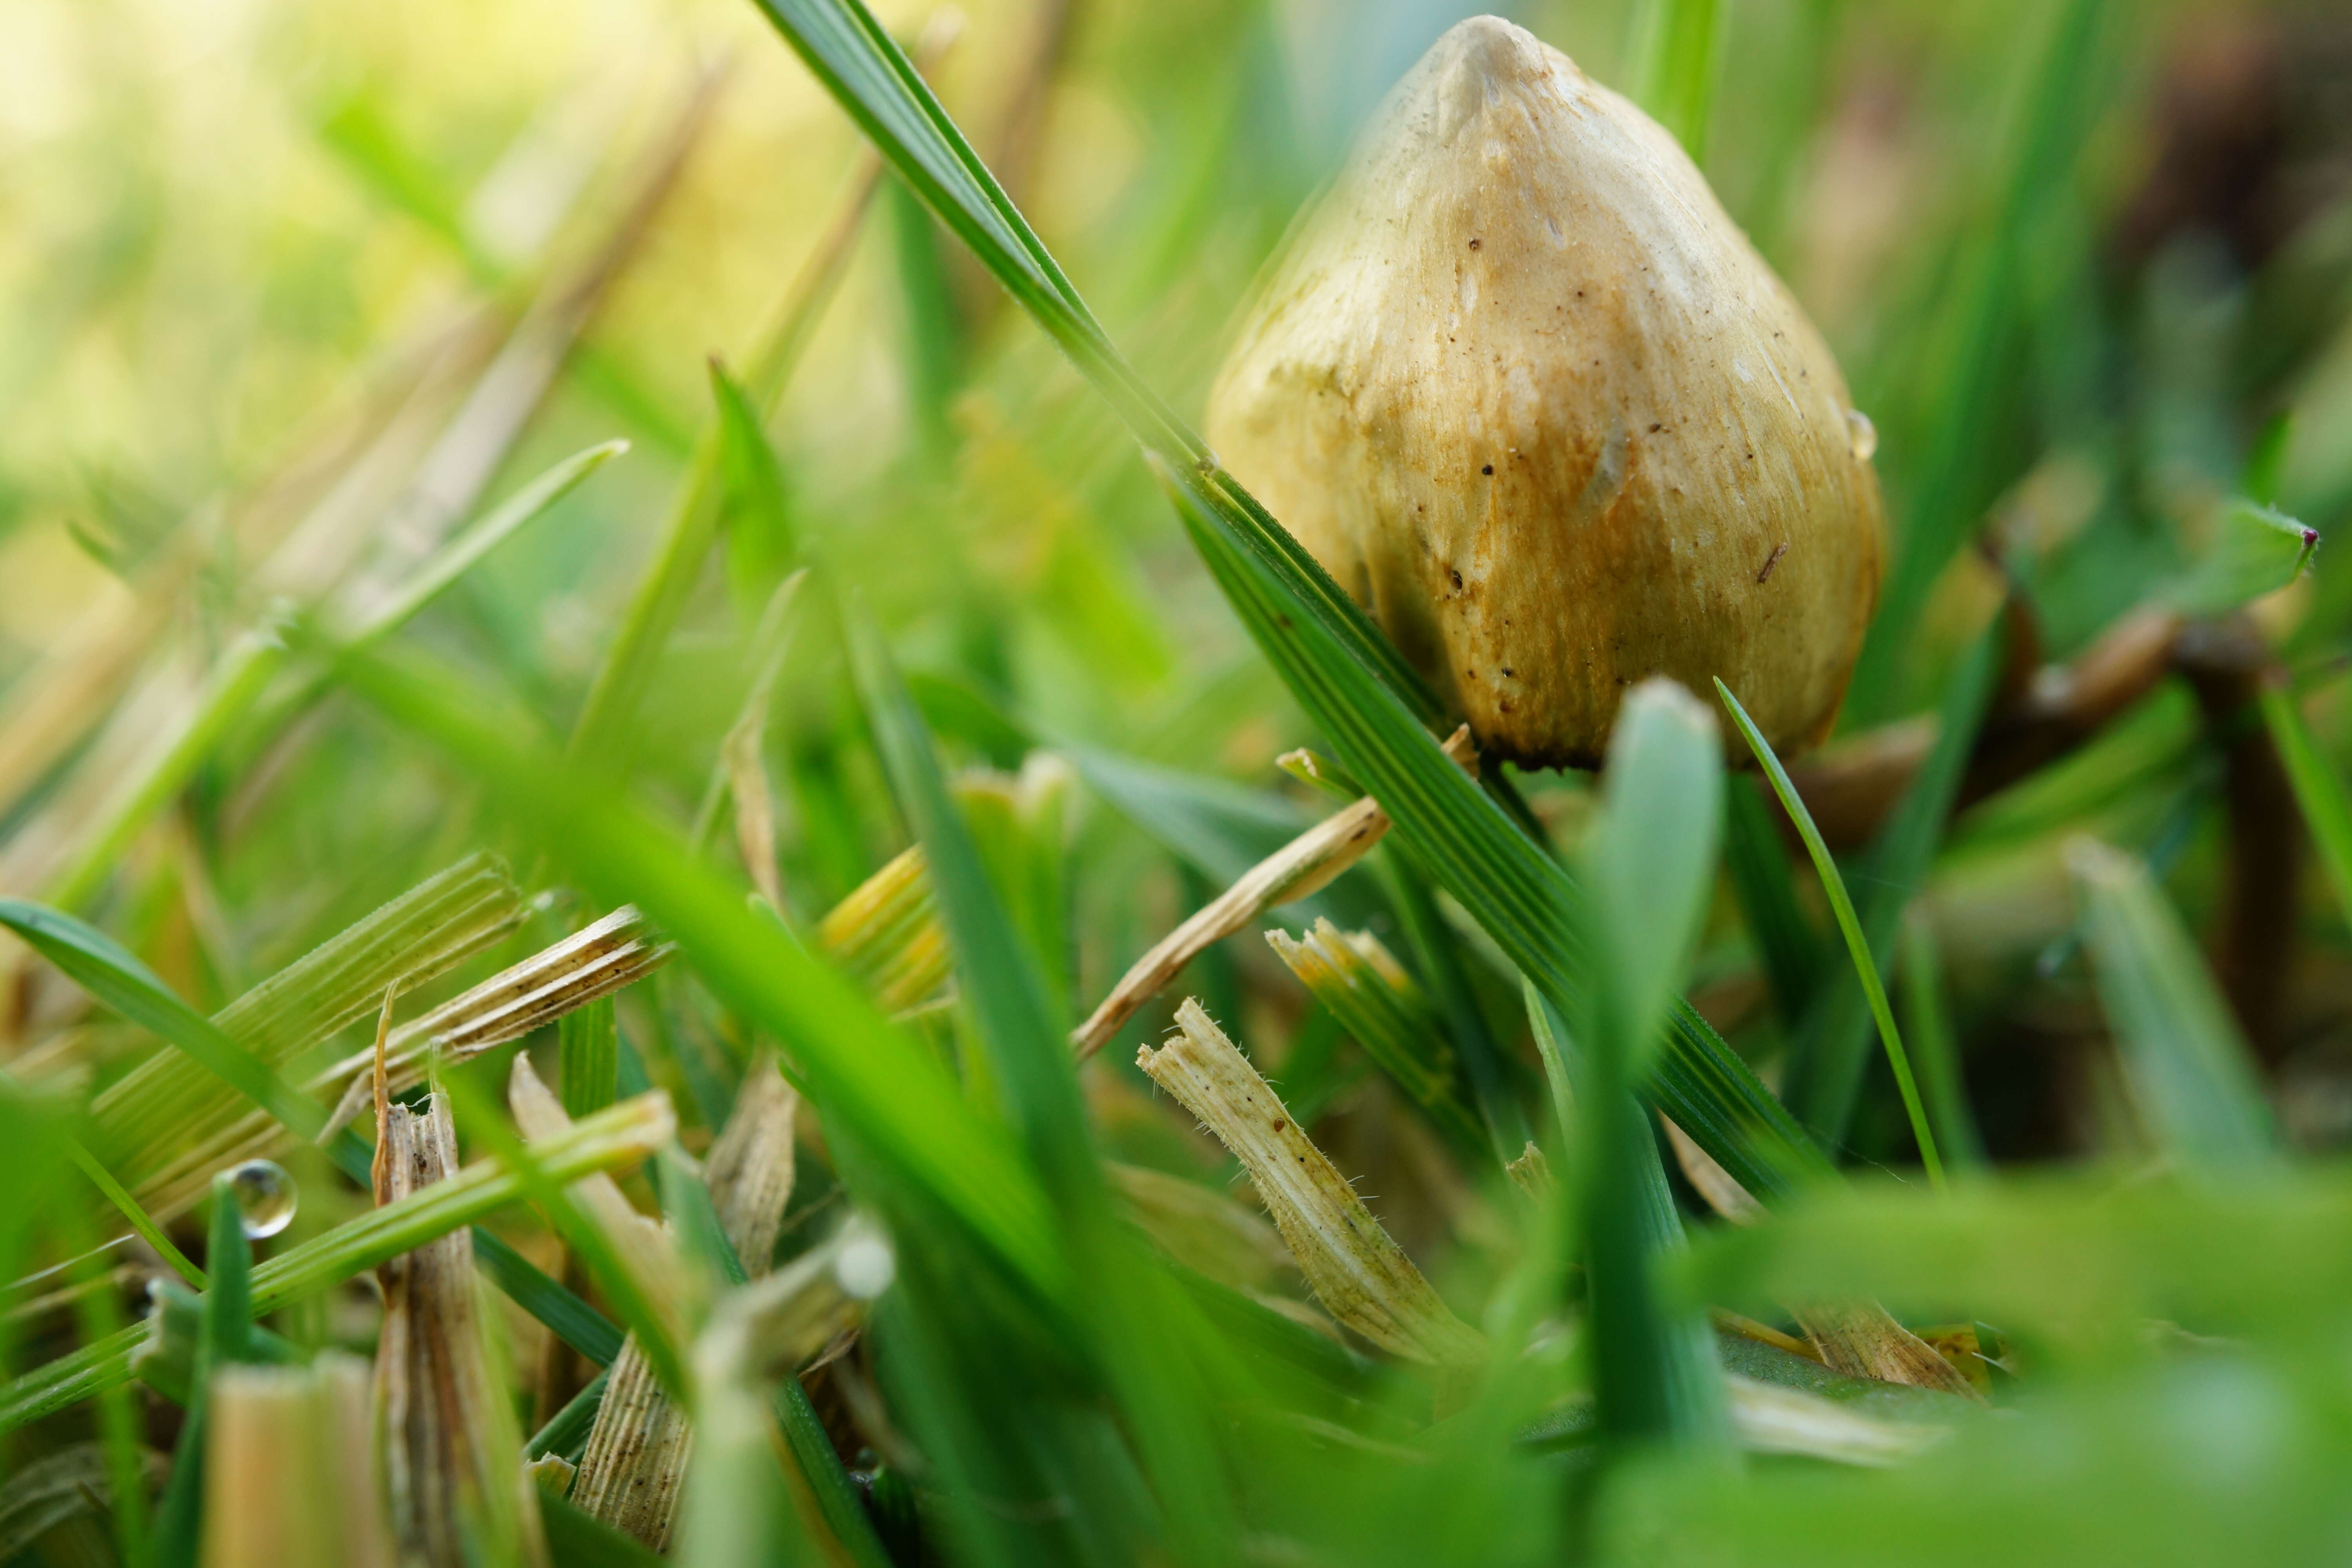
{"x":265,"y":1197}
{"x":1862,"y":433}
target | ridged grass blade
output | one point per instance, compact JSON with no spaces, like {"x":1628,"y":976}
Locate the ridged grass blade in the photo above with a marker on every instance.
{"x":120,"y":983}
{"x":2192,"y":1075}
{"x":1866,"y":966}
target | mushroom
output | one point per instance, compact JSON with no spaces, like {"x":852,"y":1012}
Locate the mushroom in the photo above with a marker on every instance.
{"x":1528,"y":393}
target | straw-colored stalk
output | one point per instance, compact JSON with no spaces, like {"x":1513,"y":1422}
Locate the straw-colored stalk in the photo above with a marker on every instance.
{"x":638,"y":1449}
{"x":1354,"y":1266}
{"x":1851,"y":1339}
{"x":452,"y":1456}
{"x":290,"y":1472}
{"x":886,"y":934}
{"x":1306,"y":865}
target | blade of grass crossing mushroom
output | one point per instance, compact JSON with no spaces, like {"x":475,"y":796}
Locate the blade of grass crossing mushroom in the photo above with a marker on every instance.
{"x":2318,"y":788}
{"x":855,"y":59}
{"x":1864,"y":966}
{"x":1507,"y":884}
{"x":2192,"y":1072}
{"x":1649,"y":868}
{"x":1122,"y":1306}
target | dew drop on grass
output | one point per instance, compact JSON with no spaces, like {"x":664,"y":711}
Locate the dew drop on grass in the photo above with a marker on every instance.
{"x":1862,"y":433}
{"x":265,"y":1197}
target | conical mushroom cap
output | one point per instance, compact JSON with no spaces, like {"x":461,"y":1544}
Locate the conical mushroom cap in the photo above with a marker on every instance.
{"x":1523,"y":387}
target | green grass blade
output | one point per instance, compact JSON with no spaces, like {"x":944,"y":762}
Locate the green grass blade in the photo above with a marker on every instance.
{"x":1927,"y":1026}
{"x":756,"y":510}
{"x":1649,"y":870}
{"x":141,"y":1221}
{"x":1787,"y":942}
{"x":2318,"y":788}
{"x":1649,"y":865}
{"x":577,"y":1539}
{"x":564,"y":1314}
{"x":1438,"y":954}
{"x":588,"y":1045}
{"x":118,"y":982}
{"x":1031,"y":1065}
{"x":1865,"y":967}
{"x":1036,"y":1076}
{"x":1826,"y":1074}
{"x":2255,"y":551}
{"x":1677,"y":62}
{"x":225,"y":1339}
{"x":2192,"y":1075}
{"x":566,"y":1432}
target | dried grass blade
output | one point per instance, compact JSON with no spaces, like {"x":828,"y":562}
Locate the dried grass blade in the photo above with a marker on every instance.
{"x":635,"y":1461}
{"x":289,"y":1471}
{"x":1304,"y":866}
{"x":1355,"y":1269}
{"x":452,"y":1458}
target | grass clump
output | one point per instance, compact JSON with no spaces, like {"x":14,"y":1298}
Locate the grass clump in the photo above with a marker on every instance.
{"x":788,"y":974}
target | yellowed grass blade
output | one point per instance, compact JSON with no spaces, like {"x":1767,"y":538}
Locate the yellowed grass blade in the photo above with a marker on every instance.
{"x":290,"y":1470}
{"x":1304,"y":866}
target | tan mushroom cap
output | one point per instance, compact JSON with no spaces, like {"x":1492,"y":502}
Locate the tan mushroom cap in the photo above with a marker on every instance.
{"x":1523,"y":387}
